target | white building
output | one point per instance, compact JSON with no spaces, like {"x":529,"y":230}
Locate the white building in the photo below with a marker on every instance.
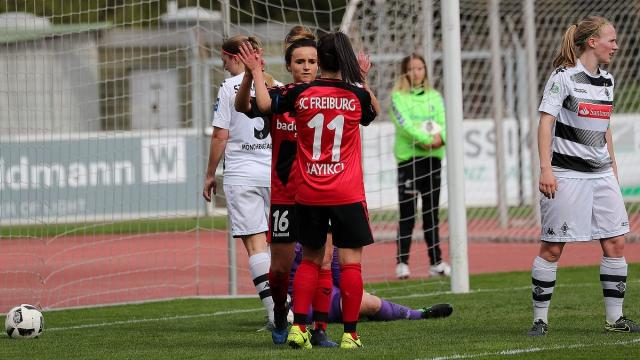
{"x":50,"y":80}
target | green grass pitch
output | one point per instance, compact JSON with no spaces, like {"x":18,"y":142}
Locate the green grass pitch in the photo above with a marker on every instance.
{"x":490,"y":322}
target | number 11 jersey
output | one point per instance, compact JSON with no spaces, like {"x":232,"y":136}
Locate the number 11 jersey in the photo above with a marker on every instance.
{"x":328,"y":113}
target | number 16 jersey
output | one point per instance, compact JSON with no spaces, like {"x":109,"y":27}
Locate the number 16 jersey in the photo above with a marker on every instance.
{"x":328,"y":113}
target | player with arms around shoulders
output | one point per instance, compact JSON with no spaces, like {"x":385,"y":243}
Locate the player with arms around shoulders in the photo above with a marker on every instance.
{"x":301,"y":59}
{"x":328,"y":113}
{"x":578,"y":172}
{"x":245,"y":145}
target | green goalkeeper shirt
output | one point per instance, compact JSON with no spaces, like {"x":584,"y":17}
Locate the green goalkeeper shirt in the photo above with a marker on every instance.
{"x":414,"y":113}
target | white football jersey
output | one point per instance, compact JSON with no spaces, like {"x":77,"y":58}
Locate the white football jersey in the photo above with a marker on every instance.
{"x":247,"y":157}
{"x":582,"y":104}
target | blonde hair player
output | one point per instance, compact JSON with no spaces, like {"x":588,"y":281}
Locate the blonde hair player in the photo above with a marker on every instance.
{"x":246,"y":146}
{"x":578,"y":173}
{"x":417,"y":111}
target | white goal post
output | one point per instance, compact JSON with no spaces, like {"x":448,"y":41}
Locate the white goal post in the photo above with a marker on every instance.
{"x":455,"y":170}
{"x":453,"y":100}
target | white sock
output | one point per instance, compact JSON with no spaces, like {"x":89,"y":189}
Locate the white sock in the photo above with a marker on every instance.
{"x":259,"y":267}
{"x":543,"y":280}
{"x":613,"y":277}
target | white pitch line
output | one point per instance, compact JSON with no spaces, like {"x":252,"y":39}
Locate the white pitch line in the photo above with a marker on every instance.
{"x":438,"y":293}
{"x":509,"y":352}
{"x":380,"y":292}
{"x":231,"y":312}
{"x":138,"y":321}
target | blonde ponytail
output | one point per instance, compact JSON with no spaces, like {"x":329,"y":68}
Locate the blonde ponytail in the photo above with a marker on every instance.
{"x":567,"y":53}
{"x":575,"y":39}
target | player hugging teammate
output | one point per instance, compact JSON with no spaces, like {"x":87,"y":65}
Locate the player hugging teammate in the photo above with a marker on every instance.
{"x":302,"y":61}
{"x":331,"y":187}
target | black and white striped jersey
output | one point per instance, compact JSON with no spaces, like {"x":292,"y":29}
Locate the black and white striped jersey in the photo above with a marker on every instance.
{"x":582,"y":105}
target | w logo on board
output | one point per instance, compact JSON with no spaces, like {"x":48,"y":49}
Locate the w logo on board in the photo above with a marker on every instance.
{"x":164,"y":160}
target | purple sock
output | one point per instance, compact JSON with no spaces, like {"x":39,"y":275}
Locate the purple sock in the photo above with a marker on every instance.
{"x":391,"y":311}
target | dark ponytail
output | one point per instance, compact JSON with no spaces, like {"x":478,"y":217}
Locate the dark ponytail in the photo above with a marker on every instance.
{"x":336,"y":54}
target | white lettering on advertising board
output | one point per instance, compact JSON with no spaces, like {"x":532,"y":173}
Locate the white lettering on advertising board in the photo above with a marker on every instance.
{"x":164,"y":160}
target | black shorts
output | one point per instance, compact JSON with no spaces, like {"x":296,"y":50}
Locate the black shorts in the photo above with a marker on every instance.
{"x":283,"y":228}
{"x":349,"y":225}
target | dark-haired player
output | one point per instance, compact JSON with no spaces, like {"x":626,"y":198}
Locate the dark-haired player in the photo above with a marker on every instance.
{"x":329,"y":112}
{"x":302,"y":61}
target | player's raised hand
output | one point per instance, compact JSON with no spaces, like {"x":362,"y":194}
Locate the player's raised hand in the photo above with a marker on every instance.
{"x":261,"y":58}
{"x":251,"y":59}
{"x":365,"y":64}
{"x":548,"y":184}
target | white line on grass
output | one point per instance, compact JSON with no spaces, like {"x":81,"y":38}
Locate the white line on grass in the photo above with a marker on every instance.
{"x":167,"y":318}
{"x":438,"y":293}
{"x":509,"y":352}
{"x":231,"y":312}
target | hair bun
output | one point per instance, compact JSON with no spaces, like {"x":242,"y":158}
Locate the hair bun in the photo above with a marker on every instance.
{"x":297,"y":33}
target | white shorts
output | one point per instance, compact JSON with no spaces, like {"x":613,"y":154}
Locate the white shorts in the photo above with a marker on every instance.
{"x":248,"y":209}
{"x":583,"y":210}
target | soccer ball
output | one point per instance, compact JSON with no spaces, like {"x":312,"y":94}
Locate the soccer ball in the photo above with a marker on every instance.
{"x":24,"y":322}
{"x":432,"y":127}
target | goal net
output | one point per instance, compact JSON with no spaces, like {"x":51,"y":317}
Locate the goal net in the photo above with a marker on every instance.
{"x":105,"y":123}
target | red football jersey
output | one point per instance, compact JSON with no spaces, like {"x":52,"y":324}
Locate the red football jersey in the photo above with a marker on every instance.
{"x":284,"y":173}
{"x":327,"y":114}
